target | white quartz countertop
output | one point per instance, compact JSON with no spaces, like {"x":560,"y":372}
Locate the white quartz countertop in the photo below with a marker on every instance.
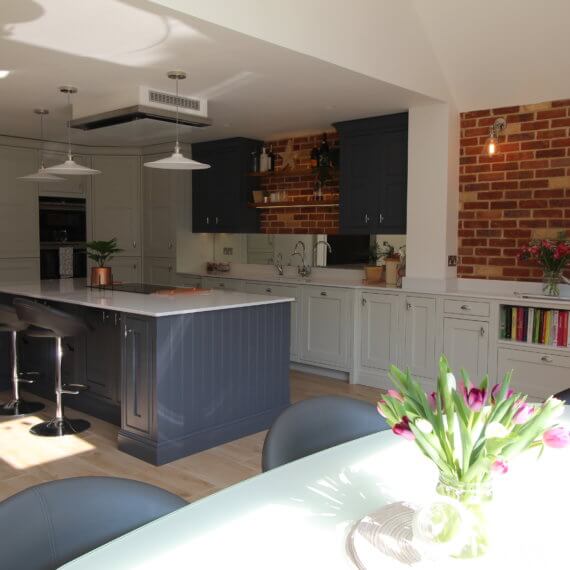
{"x":74,"y":291}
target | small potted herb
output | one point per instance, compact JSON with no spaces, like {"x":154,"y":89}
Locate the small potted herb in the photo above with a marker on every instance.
{"x":377,"y":255}
{"x":101,"y":252}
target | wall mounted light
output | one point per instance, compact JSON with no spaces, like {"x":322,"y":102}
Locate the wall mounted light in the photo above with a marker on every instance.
{"x":496,"y":129}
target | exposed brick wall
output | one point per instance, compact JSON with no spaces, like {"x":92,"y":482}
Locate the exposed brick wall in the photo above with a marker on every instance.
{"x":300,"y":220}
{"x":521,"y":193}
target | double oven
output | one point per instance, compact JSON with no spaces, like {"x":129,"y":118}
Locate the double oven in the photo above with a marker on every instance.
{"x":63,"y":224}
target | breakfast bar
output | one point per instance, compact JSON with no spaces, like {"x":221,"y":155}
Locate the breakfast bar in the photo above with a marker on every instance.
{"x":180,"y":370}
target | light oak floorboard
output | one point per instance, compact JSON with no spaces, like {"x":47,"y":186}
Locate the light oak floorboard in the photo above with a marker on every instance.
{"x":27,"y":460}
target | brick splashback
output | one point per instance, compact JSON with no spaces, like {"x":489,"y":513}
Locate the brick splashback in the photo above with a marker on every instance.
{"x":522,"y":192}
{"x":300,"y":220}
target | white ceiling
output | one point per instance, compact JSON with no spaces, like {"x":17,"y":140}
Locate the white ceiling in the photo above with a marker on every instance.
{"x":108,"y":47}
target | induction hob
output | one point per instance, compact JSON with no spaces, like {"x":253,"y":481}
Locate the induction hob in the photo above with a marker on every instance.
{"x":142,"y":288}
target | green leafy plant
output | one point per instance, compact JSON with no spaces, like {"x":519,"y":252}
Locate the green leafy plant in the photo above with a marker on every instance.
{"x":102,"y":251}
{"x":470,"y":431}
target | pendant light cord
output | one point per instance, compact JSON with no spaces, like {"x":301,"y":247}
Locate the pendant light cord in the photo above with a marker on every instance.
{"x":177,"y":124}
{"x":42,"y":141}
{"x":69,"y":126}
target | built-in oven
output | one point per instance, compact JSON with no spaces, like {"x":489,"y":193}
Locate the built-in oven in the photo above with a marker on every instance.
{"x":63,"y":234}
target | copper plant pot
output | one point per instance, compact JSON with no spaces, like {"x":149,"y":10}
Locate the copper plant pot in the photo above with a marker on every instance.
{"x":374,"y":273}
{"x":101,"y":276}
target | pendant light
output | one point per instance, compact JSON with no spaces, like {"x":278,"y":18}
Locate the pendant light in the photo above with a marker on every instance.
{"x":70,"y":167}
{"x":177,"y":161}
{"x":42,"y":175}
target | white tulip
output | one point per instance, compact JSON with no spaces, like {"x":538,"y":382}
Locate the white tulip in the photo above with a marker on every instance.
{"x":451,"y":383}
{"x":496,"y":429}
{"x":423,"y":425}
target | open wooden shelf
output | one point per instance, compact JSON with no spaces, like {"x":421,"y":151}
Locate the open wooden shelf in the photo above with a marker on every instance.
{"x":295,"y":204}
{"x":290,"y":172}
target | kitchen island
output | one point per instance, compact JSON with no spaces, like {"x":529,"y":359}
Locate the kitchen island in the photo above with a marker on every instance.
{"x":179,"y":372}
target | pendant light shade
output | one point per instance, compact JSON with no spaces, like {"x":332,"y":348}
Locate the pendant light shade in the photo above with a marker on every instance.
{"x":42,"y":175}
{"x":177,"y":161}
{"x":70,"y":167}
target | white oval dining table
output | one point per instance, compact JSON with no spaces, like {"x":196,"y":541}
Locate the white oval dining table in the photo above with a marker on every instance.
{"x":298,"y":516}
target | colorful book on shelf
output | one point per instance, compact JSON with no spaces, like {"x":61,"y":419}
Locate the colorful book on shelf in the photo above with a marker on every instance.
{"x":529,"y":325}
{"x":554,"y":328}
{"x":520,"y":323}
{"x":546,"y":333}
{"x":514,"y":323}
{"x":503,"y":323}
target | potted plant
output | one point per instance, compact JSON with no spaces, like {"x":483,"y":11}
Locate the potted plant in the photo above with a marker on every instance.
{"x":471,"y":433}
{"x":101,"y":252}
{"x":553,"y":256}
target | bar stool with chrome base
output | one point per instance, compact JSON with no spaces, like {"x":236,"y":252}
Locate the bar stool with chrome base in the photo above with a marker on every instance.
{"x":48,"y":322}
{"x":9,"y":322}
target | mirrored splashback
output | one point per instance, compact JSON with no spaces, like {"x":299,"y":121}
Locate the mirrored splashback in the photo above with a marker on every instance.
{"x":347,"y":251}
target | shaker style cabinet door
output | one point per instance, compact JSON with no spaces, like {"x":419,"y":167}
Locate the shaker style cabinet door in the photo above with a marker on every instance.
{"x":325,"y":325}
{"x":419,"y":340}
{"x":116,"y":202}
{"x":159,"y":271}
{"x":379,"y":339}
{"x":466,"y":345}
{"x":126,"y":269}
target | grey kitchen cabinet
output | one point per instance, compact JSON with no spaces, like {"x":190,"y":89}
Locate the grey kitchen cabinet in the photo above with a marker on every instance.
{"x":126,"y":269}
{"x":159,"y":271}
{"x":20,"y":269}
{"x":419,"y":337}
{"x":116,"y":202}
{"x":137,"y":373}
{"x":466,"y":345}
{"x":19,"y":226}
{"x":379,"y":338}
{"x":186,"y":280}
{"x":266,"y":288}
{"x":102,"y":354}
{"x":160,"y":208}
{"x":326,"y":325}
{"x":536,"y":373}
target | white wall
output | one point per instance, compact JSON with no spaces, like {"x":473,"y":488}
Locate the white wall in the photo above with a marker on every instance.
{"x":433,"y":148}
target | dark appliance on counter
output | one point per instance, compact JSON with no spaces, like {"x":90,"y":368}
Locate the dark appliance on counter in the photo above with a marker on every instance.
{"x":348,"y":250}
{"x":63,"y":224}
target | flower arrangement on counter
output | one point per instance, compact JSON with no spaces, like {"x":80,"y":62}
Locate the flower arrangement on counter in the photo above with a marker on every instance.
{"x":470,"y":432}
{"x":553,"y":256}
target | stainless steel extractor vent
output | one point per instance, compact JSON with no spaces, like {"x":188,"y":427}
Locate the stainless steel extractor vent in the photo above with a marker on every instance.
{"x":173,"y":101}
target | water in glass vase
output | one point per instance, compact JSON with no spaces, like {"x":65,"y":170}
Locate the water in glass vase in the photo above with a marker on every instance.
{"x":551,"y":283}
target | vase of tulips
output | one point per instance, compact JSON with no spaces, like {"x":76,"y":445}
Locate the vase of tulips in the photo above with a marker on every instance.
{"x":470,"y":432}
{"x":553,"y":256}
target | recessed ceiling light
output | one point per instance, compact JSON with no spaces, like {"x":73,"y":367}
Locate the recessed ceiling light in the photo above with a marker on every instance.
{"x":4,"y":73}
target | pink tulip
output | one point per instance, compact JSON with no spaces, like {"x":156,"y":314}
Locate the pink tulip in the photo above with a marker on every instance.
{"x":475,"y":399}
{"x":496,"y":390}
{"x":523,"y":414}
{"x":557,"y":437}
{"x":403,"y":429}
{"x":396,"y":395}
{"x":432,"y":400}
{"x":499,"y":466}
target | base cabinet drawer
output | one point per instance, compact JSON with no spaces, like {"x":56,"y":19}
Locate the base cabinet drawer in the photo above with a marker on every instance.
{"x":535,"y":373}
{"x":223,"y":284}
{"x":466,"y":308}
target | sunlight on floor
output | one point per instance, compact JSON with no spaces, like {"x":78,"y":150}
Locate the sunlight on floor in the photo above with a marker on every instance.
{"x":21,"y":449}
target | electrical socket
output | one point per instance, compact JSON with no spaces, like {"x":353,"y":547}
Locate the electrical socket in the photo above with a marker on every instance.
{"x":228,"y":250}
{"x":452,"y":260}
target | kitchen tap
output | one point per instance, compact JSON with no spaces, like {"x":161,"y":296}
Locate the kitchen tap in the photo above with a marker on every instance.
{"x":278,"y":263}
{"x":303,"y":270}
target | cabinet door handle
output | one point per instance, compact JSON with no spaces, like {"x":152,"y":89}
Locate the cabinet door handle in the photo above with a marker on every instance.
{"x":217,"y":220}
{"x":207,"y":220}
{"x":134,"y":265}
{"x":408,"y":306}
{"x":268,"y":290}
{"x":323,"y":293}
{"x":134,"y":244}
{"x":482,"y":331}
{"x":221,"y":284}
{"x":465,"y":307}
{"x":170,"y":245}
{"x":366,"y":218}
{"x":170,"y":268}
{"x":546,"y":358}
{"x":128,"y":331}
{"x":380,"y":218}
{"x":363,"y":301}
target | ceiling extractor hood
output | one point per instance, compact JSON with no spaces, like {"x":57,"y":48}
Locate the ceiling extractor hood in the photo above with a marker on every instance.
{"x":151,"y":104}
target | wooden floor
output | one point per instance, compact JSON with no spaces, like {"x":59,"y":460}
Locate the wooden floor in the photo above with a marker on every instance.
{"x":26,"y":460}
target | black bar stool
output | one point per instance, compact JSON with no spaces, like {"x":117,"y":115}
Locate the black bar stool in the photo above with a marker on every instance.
{"x":47,"y":322}
{"x":9,"y":322}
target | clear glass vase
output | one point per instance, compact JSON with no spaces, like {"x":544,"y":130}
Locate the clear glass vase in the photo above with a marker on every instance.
{"x":456,"y":522}
{"x":551,"y":283}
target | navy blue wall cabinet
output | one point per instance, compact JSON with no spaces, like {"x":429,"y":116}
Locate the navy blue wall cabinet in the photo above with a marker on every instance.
{"x":373,"y":174}
{"x":220,"y":194}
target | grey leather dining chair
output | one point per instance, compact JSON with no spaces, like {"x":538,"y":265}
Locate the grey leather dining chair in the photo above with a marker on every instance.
{"x":50,"y":524}
{"x":316,"y":424}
